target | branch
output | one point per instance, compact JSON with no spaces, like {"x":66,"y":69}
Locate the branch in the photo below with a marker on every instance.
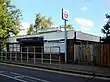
{"x":107,"y":16}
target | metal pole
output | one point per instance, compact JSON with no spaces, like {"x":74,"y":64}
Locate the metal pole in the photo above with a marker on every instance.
{"x":42,"y":55}
{"x":59,"y":55}
{"x":15,"y":52}
{"x":50,"y":55}
{"x":6,"y":55}
{"x":34,"y":55}
{"x":16,"y":56}
{"x":1,"y":55}
{"x":59,"y":59}
{"x":10,"y":56}
{"x":65,"y":42}
{"x":21,"y":54}
{"x":27,"y":54}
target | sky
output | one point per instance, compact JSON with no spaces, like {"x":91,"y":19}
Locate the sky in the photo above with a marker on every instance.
{"x":85,"y":15}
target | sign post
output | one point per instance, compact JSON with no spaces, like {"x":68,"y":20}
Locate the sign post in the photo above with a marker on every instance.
{"x":65,"y":15}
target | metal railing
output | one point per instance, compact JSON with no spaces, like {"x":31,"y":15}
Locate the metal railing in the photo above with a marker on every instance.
{"x":32,"y":55}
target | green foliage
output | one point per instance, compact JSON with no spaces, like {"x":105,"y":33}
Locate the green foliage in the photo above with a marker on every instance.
{"x":42,"y":22}
{"x":9,"y":20}
{"x":69,"y":26}
{"x":49,"y":22}
{"x":106,"y":39}
{"x":107,"y":16}
{"x":37,"y":21}
{"x":106,"y":30}
{"x":30,"y":30}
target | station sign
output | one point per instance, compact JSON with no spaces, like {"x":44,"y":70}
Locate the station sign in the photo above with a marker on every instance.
{"x":65,"y":14}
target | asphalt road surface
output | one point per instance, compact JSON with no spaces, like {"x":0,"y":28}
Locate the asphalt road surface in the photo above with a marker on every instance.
{"x":18,"y":74}
{"x":4,"y":79}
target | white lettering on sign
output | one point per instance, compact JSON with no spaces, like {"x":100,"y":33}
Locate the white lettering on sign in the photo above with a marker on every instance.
{"x":65,"y":14}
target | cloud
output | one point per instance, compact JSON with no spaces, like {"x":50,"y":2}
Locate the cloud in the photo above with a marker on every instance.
{"x":24,"y":27}
{"x":85,"y":29}
{"x":85,"y":24}
{"x":84,"y":8}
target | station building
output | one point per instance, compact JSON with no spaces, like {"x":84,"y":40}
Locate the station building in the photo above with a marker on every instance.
{"x":52,"y":38}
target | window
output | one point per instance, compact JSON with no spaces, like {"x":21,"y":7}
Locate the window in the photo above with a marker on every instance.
{"x":14,"y":47}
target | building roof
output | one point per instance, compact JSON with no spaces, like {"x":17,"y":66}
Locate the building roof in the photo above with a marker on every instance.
{"x":58,"y":35}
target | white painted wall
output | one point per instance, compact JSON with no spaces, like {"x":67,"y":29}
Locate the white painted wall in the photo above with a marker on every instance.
{"x":56,"y":49}
{"x":57,"y":36}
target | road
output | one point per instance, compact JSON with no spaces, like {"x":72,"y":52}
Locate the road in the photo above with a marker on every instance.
{"x":18,"y":74}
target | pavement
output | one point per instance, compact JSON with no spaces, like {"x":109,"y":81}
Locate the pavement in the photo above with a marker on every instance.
{"x":70,"y":68}
{"x":10,"y":73}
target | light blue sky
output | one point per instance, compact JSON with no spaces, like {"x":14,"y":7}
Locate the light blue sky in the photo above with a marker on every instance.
{"x":87,"y":15}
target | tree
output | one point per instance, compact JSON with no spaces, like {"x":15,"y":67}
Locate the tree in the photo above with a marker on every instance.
{"x":30,"y":30}
{"x":37,"y":21}
{"x":42,"y":22}
{"x":49,"y":22}
{"x":9,"y":20}
{"x":46,"y":22}
{"x":69,"y":26}
{"x":107,"y":15}
{"x":106,"y":30}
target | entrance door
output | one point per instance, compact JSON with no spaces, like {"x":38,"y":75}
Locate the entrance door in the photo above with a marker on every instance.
{"x":70,"y":50}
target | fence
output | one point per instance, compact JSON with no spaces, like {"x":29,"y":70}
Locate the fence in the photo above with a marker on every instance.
{"x":32,"y":54}
{"x":105,"y":55}
{"x":87,"y":53}
{"x":97,"y":54}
